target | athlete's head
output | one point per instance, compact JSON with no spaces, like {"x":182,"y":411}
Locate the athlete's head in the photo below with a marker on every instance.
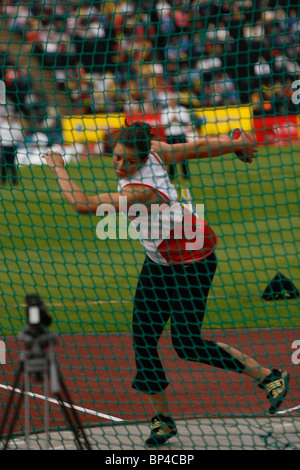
{"x":132,"y":145}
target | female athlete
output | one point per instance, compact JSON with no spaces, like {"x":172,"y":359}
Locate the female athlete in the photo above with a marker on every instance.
{"x":176,"y":277}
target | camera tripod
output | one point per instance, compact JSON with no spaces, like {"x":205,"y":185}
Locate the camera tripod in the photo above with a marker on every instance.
{"x":37,"y":363}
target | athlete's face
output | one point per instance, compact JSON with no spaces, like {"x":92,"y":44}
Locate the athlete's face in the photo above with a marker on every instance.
{"x":125,"y":161}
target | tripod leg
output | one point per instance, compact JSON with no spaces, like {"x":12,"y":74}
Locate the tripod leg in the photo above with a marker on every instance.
{"x":9,"y":404}
{"x":27,"y":417}
{"x":10,"y":431}
{"x":57,"y":385}
{"x":46,"y":412}
{"x":72,"y":425}
{"x":75,"y":416}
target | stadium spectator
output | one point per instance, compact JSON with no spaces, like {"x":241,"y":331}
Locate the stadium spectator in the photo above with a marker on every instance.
{"x":188,"y":39}
{"x":6,"y":60}
{"x":18,"y":89}
{"x":18,"y":14}
{"x":35,"y":138}
{"x":176,"y":119}
{"x":11,"y":138}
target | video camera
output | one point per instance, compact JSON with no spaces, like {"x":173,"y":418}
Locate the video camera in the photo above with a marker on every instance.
{"x":37,"y":316}
{"x":35,"y":336}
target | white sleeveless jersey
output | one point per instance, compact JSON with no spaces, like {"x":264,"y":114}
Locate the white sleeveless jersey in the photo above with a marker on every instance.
{"x":160,"y":230}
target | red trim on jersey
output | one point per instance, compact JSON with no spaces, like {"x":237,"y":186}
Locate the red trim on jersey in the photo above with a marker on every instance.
{"x":147,"y":186}
{"x":174,"y":251}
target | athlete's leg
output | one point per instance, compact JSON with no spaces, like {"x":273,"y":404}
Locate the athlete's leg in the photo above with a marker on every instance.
{"x":251,"y":367}
{"x":188,"y":309}
{"x":150,"y":315}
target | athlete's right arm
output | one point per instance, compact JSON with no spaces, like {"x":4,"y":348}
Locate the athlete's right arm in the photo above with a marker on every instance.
{"x":86,"y":204}
{"x":79,"y":200}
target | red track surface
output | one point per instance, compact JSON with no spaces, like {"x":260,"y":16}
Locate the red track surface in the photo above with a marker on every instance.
{"x":98,"y":371}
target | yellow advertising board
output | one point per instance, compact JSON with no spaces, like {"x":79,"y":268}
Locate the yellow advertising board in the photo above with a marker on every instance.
{"x":224,"y":120}
{"x":89,"y":128}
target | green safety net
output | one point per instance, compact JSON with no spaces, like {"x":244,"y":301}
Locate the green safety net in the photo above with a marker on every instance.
{"x":74,"y":72}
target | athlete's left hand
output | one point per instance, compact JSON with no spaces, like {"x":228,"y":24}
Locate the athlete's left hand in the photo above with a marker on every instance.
{"x":244,"y":145}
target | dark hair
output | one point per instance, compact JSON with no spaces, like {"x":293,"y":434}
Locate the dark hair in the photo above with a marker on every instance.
{"x":136,"y":136}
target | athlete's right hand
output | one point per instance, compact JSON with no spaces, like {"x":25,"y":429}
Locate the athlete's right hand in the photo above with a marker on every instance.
{"x":54,"y":160}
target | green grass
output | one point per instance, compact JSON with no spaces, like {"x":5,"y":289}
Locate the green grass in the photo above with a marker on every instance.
{"x":45,"y":247}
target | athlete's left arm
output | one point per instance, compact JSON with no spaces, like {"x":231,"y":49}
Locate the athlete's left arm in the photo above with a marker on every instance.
{"x":205,"y":147}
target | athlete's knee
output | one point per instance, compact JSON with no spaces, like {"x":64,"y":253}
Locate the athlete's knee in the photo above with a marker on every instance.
{"x":206,"y":352}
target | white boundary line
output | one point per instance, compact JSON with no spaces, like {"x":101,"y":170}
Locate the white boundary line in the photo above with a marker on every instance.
{"x":288,"y":410}
{"x":56,"y":402}
{"x":96,"y":413}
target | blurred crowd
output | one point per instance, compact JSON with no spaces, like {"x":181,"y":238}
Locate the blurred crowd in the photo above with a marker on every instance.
{"x":125,"y":56}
